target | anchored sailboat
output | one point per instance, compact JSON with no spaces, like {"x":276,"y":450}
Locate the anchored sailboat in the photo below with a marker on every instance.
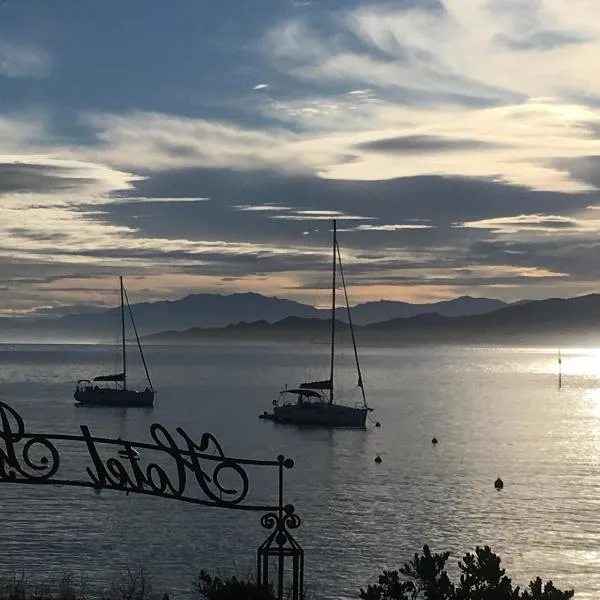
{"x":312,"y":403}
{"x":90,"y":393}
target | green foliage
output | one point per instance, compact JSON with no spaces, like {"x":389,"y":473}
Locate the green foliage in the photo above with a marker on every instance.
{"x":214,"y":588}
{"x":481,"y":578}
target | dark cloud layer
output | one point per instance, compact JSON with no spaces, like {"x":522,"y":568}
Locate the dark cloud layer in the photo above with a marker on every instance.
{"x":39,"y":179}
{"x":37,"y":235}
{"x":442,"y":203}
{"x":422,"y":144}
{"x":586,"y":169}
{"x":439,"y":201}
{"x":540,"y":40}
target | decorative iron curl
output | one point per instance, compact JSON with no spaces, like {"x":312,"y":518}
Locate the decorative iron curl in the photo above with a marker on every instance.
{"x":287,"y":520}
{"x":209,"y":482}
{"x":29,"y":467}
{"x":238,"y":494}
{"x":49,"y":464}
{"x":219,"y":480}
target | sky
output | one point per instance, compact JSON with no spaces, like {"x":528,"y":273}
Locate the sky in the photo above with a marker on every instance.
{"x":198,"y":146}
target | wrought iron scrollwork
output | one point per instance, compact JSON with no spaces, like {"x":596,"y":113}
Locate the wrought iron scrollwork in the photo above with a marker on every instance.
{"x":196,"y":471}
{"x":27,"y":467}
{"x":190,"y":462}
{"x":287,"y":519}
{"x":281,"y":546}
{"x":35,"y":459}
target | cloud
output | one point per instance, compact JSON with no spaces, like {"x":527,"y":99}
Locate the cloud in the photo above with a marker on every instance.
{"x":518,"y":144}
{"x":457,"y":142}
{"x":533,"y":223}
{"x":23,"y":59}
{"x":22,"y":131}
{"x":504,"y":85}
{"x":408,"y":232}
{"x":416,"y":144}
{"x":39,"y":178}
{"x":389,"y":227}
{"x":261,"y":208}
{"x":432,"y":233}
{"x":153,"y":142}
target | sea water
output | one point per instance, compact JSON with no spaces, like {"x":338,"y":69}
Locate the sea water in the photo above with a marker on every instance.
{"x":496,"y":412}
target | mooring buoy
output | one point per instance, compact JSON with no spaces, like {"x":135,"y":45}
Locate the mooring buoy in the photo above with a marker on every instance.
{"x":434,"y":441}
{"x":498,"y":484}
{"x":378,"y":459}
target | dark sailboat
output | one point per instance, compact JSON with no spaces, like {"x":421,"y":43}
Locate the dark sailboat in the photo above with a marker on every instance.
{"x":90,"y":393}
{"x":312,"y":403}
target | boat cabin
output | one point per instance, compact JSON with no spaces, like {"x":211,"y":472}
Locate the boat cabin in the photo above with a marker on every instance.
{"x":305,"y":396}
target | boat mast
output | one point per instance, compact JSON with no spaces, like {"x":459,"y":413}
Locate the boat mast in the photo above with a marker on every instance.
{"x":333,"y":311}
{"x":123,"y":333}
{"x":137,"y":338}
{"x":360,"y":379}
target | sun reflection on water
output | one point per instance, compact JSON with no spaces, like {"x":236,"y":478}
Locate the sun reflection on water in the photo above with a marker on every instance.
{"x":591,"y":398}
{"x":580,"y":362}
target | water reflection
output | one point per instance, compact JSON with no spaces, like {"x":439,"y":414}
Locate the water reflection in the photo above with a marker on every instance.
{"x":496,"y":412}
{"x":581,"y":363}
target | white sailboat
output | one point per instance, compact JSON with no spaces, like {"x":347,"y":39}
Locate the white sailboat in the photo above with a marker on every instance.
{"x":313,"y":403}
{"x":90,"y":393}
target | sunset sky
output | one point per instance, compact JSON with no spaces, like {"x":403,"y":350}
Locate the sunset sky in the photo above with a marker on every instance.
{"x":198,"y":146}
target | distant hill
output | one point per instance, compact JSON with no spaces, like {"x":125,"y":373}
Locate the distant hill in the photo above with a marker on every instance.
{"x":216,"y":310}
{"x":554,"y":322}
{"x":384,"y":310}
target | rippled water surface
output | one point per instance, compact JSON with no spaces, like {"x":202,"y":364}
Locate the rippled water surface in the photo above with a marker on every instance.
{"x":495,"y":412}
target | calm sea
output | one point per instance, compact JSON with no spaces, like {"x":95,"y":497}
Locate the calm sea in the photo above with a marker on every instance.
{"x":496,"y":412}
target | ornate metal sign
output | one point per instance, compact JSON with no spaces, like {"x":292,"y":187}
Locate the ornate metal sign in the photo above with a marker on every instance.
{"x":195,"y":472}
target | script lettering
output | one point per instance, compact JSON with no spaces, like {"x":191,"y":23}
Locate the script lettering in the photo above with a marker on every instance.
{"x":127,"y":474}
{"x":100,"y":476}
{"x":193,"y":471}
{"x":28,"y":467}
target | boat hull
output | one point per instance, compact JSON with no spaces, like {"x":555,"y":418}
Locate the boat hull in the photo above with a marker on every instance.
{"x":114,"y":397}
{"x":319,"y":414}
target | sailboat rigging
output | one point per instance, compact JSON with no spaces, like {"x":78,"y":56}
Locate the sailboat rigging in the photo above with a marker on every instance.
{"x":314,"y":403}
{"x":88,"y":392}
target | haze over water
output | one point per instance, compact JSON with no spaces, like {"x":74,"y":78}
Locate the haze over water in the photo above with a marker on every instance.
{"x":495,"y":412}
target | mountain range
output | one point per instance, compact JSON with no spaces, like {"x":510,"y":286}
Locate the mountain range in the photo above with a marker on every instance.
{"x":219,"y":311}
{"x":553,"y":322}
{"x":253,"y":317}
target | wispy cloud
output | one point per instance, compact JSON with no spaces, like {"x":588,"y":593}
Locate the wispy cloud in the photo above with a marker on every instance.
{"x":156,"y":141}
{"x":543,"y":224}
{"x":493,"y":50}
{"x":261,"y":208}
{"x":23,"y":59}
{"x":484,"y":89}
{"x":389,"y":227}
{"x":455,"y":140}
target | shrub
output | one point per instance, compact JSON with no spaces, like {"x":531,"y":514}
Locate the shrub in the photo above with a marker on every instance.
{"x":481,"y":578}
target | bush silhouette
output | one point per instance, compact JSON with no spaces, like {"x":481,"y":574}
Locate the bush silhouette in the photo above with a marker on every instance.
{"x":481,"y":578}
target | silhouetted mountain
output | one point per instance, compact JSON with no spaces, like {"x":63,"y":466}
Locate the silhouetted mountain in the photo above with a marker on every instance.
{"x":554,"y":321}
{"x":215,"y":310}
{"x":373,"y":312}
{"x":201,"y":310}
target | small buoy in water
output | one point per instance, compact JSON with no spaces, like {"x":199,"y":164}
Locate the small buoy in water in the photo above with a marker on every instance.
{"x":378,"y":424}
{"x":378,"y":459}
{"x":498,"y":484}
{"x":434,"y":441}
